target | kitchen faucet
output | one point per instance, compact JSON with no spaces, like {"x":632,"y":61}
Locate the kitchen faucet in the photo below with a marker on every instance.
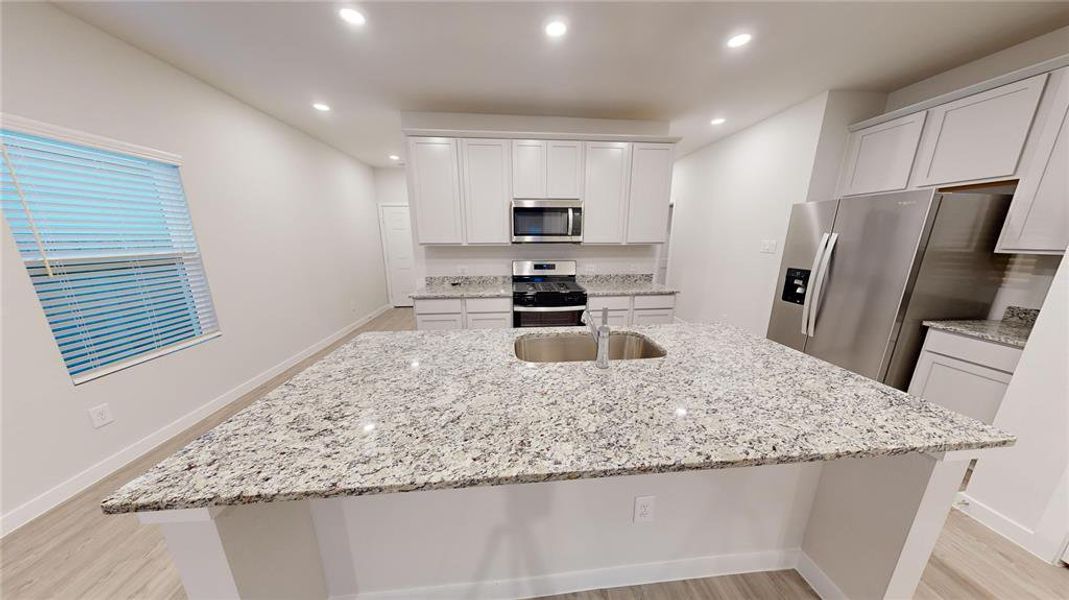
{"x":600,"y":333}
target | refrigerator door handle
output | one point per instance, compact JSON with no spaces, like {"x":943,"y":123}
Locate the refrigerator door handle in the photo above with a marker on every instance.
{"x":818,"y":287}
{"x":812,"y":279}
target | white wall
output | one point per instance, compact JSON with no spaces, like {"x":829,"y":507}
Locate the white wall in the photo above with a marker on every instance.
{"x":391,"y":186}
{"x":1021,"y":492}
{"x":736,"y":192}
{"x":1036,"y":50}
{"x":287,"y":227}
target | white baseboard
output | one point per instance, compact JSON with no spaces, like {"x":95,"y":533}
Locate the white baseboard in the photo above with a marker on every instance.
{"x":818,"y":579}
{"x":26,"y":512}
{"x":1008,"y":528}
{"x":610,"y":577}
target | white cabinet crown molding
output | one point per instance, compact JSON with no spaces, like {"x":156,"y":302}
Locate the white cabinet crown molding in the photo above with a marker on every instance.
{"x":542,"y":135}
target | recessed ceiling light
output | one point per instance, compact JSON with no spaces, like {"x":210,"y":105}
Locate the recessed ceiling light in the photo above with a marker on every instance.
{"x":718,"y":121}
{"x":352,"y":16}
{"x":321,"y":107}
{"x":394,"y":157}
{"x":739,"y":40}
{"x":556,"y":28}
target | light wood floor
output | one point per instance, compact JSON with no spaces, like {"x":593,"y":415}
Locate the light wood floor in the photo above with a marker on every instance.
{"x":75,"y":552}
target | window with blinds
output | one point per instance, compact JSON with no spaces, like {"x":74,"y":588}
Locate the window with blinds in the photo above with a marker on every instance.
{"x":109,"y":246}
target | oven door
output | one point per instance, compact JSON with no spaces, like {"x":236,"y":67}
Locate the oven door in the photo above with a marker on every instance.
{"x":547,"y":221}
{"x":547,"y":316}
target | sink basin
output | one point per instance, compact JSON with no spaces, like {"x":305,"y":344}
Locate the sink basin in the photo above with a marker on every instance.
{"x":572,"y":347}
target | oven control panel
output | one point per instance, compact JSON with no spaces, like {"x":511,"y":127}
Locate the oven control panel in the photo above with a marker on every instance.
{"x":794,"y":285}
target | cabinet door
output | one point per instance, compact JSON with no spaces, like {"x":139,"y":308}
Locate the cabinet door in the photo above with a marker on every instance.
{"x":528,"y":168}
{"x":489,"y":320}
{"x":651,"y":183}
{"x":434,"y":179}
{"x":653,"y":316}
{"x":978,"y":137}
{"x":605,"y":191}
{"x":564,"y":169}
{"x":617,"y":318}
{"x":1038,"y":220}
{"x":439,"y":322}
{"x":485,"y":165}
{"x":961,"y":386}
{"x":879,"y":158}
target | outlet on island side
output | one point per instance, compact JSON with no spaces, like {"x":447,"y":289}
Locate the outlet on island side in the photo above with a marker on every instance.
{"x":644,"y":506}
{"x":100,"y":415}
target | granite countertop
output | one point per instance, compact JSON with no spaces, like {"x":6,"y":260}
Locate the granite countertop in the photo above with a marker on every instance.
{"x":1013,"y":330}
{"x":400,"y":411}
{"x":494,"y":286}
{"x":488,"y":286}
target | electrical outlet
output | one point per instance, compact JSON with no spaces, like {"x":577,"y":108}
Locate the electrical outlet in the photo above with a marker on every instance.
{"x":632,"y":268}
{"x":771,"y":246}
{"x":644,"y":508}
{"x":100,"y":415}
{"x":463,"y":269}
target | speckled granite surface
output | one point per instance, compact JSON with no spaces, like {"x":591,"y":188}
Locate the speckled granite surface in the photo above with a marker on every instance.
{"x":623,"y":285}
{"x":493,"y":286}
{"x":469,"y":286}
{"x":392,"y":412}
{"x":1012,"y":330}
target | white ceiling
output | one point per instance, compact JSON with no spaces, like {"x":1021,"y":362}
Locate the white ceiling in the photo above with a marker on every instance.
{"x":662,"y":61}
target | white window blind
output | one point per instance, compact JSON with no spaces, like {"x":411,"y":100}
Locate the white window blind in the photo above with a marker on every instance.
{"x":109,"y":246}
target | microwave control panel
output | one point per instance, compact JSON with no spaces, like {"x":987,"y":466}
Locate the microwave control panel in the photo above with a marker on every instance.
{"x":794,"y":285}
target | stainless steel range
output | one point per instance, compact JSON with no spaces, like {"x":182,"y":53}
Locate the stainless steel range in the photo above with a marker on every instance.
{"x":545,"y":294}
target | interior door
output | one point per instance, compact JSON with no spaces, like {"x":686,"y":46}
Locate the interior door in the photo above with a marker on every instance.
{"x":876,"y":244}
{"x":809,"y":222}
{"x":397,"y":247}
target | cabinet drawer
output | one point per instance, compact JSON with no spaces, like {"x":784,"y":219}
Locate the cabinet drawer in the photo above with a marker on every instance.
{"x":661,"y":301}
{"x":439,"y":322}
{"x":988,"y":354}
{"x":609,"y":302}
{"x":653,"y":316}
{"x":500,"y":320}
{"x":489,"y":305}
{"x":438,"y":306}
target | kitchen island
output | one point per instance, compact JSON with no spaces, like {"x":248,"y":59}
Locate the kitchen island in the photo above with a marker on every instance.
{"x":521,"y":477}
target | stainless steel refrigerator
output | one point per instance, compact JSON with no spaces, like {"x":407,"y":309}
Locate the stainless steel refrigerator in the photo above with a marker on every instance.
{"x":860,"y":274}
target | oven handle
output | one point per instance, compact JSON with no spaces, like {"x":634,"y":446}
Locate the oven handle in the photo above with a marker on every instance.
{"x":548,"y":308}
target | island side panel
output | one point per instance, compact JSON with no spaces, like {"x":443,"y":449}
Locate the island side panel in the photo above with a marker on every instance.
{"x":264,"y":551}
{"x":875,"y":521}
{"x":527,"y":540}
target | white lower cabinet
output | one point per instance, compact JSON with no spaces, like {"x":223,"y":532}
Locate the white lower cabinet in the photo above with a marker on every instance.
{"x":439,"y":321}
{"x":488,"y":313}
{"x":964,"y":374}
{"x":634,"y":310}
{"x":463,"y":313}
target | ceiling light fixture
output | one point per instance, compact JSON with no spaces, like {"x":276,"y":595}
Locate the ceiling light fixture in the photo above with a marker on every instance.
{"x":352,"y":16}
{"x":556,"y":28}
{"x":321,"y":107}
{"x":394,"y":157}
{"x":741,"y":39}
{"x":718,"y":121}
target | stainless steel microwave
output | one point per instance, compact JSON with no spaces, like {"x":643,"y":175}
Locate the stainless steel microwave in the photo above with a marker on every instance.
{"x":547,"y":221}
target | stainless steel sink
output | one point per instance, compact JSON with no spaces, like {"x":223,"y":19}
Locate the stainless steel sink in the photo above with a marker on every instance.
{"x":572,"y":347}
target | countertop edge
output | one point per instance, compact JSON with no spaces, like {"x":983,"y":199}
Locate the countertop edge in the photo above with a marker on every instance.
{"x":115,"y":508}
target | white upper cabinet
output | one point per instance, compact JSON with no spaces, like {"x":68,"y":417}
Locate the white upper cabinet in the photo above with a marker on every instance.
{"x":547,"y":169}
{"x":979,"y":136}
{"x":485,"y":170}
{"x":879,"y":158}
{"x":605,"y":192}
{"x":528,"y":168}
{"x":434,"y":180}
{"x":1038,"y":221}
{"x":651,"y":182}
{"x":564,"y":169}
